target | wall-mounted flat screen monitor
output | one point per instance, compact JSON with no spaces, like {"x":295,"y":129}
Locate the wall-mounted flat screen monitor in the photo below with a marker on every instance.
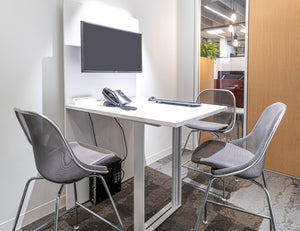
{"x":105,"y":49}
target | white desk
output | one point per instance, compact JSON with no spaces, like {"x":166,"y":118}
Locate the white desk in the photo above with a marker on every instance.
{"x":158,"y":115}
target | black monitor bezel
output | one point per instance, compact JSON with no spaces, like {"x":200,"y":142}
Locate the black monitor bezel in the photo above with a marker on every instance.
{"x":107,"y":71}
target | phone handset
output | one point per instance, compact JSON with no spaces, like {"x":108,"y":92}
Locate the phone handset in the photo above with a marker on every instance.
{"x":116,"y":99}
{"x":111,"y":97}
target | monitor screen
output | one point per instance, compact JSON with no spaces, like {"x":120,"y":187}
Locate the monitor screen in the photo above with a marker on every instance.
{"x":105,"y":49}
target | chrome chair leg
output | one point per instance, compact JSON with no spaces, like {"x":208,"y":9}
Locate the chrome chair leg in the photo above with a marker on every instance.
{"x":187,"y":139}
{"x":271,"y":210}
{"x":111,"y":200}
{"x":264,"y":179}
{"x":205,"y":214}
{"x":23,"y":198}
{"x":204,"y":203}
{"x":76,"y":226}
{"x":265,"y":184}
{"x":229,"y":136}
{"x":57,"y":206}
{"x":199,"y":137}
{"x":216,"y":135}
{"x":224,"y":189}
{"x":270,"y":205}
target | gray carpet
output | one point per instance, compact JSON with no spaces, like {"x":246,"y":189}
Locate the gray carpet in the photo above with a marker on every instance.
{"x":284,"y":191}
{"x":158,"y":188}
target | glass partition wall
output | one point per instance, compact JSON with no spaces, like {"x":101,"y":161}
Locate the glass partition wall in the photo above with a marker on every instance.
{"x":223,"y":51}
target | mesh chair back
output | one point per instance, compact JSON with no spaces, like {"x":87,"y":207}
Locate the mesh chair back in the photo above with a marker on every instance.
{"x":259,"y":138}
{"x":52,"y":158}
{"x":220,"y":97}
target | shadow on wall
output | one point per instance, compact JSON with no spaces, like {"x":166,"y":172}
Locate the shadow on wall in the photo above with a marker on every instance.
{"x":41,"y":194}
{"x":52,"y":74}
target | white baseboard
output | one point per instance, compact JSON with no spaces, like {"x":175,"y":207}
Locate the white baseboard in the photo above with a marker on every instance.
{"x":157,"y":156}
{"x":33,"y":215}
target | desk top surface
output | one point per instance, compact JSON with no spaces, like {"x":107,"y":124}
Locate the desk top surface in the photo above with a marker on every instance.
{"x":152,"y":113}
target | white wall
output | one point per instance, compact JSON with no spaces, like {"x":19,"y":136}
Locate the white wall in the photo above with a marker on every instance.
{"x":158,"y":25}
{"x":78,"y":84}
{"x":32,"y":78}
{"x":186,"y":51}
{"x":185,"y":46}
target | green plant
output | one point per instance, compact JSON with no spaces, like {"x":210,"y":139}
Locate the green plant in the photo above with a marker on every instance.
{"x":209,"y":49}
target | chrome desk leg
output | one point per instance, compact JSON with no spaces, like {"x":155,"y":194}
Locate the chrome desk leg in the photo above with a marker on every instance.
{"x":171,"y":207}
{"x":176,"y":167}
{"x":139,"y":178}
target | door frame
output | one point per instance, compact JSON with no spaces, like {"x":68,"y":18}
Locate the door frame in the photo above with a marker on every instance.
{"x":197,"y":35}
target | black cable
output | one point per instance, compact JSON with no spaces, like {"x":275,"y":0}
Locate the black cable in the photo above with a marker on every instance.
{"x":124,"y":139}
{"x":123,"y":135}
{"x":93,"y":130}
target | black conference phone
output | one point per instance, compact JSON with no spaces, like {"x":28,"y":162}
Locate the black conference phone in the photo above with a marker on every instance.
{"x":116,"y":99}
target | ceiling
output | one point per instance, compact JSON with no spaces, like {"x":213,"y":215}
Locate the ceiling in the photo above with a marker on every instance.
{"x":211,"y":20}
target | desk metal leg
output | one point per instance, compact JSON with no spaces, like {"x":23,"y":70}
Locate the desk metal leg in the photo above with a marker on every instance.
{"x":139,"y":178}
{"x":171,"y":207}
{"x":176,"y":168}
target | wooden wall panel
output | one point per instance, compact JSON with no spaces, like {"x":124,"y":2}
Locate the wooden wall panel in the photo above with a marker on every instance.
{"x":206,"y":73}
{"x":206,"y":82}
{"x":274,"y":75}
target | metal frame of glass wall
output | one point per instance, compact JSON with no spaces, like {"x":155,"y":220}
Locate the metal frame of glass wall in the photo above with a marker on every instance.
{"x":197,"y":35}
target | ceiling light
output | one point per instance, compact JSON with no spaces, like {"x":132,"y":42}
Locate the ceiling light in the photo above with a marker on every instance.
{"x":235,"y":41}
{"x":218,"y":13}
{"x":233,"y":17}
{"x":243,"y":30}
{"x":221,"y":36}
{"x":215,"y":31}
{"x":230,"y":28}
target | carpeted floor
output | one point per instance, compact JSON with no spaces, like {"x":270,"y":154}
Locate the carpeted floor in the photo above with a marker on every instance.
{"x":284,"y":191}
{"x":158,"y":192}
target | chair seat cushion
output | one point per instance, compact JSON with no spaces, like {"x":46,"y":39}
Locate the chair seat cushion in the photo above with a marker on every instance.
{"x":206,"y":126}
{"x":92,"y":155}
{"x":219,"y":155}
{"x":66,"y":171}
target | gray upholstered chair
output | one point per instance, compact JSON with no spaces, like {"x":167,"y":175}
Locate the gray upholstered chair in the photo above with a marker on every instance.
{"x":63,"y":163}
{"x":242,"y":158}
{"x":222,"y":122}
